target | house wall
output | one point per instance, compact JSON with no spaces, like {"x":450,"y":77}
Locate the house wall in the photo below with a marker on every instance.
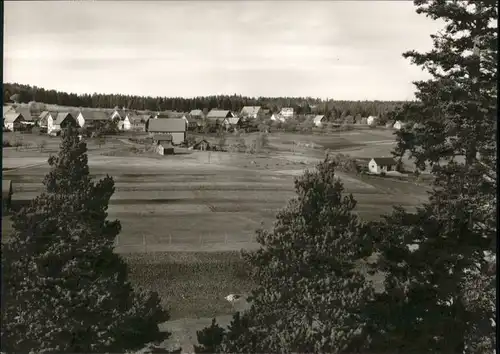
{"x":126,"y":124}
{"x":373,"y":167}
{"x":80,"y":120}
{"x":177,"y":137}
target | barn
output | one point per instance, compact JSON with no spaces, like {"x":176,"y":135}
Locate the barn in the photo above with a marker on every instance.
{"x":60,"y":120}
{"x":13,"y":121}
{"x":171,"y":126}
{"x":163,"y":144}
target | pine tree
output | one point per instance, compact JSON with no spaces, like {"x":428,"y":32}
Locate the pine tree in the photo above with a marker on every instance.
{"x":311,"y":293}
{"x":64,"y":288}
{"x":433,"y":257}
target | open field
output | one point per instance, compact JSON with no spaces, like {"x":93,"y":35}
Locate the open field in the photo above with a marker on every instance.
{"x":184,"y":217}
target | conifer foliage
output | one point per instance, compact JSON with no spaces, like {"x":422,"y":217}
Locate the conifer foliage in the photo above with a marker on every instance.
{"x":440,"y":291}
{"x":64,"y":290}
{"x":311,"y":294}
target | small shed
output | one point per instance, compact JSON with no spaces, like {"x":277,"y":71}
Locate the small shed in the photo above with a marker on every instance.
{"x":6,"y":194}
{"x":202,"y":145}
{"x":381,"y":164}
{"x":372,"y":120}
{"x":398,"y":125}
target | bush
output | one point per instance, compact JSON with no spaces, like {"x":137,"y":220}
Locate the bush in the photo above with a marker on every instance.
{"x":346,"y":127}
{"x":6,"y":143}
{"x":383,"y":174}
{"x":346,"y":163}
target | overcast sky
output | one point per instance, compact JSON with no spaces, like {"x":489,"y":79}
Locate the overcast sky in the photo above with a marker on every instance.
{"x":335,"y":49}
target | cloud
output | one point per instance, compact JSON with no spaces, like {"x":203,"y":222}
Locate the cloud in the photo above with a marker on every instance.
{"x":249,"y":47}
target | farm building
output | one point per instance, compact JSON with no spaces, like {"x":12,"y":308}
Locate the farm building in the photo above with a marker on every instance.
{"x":163,"y":144}
{"x":371,"y":120}
{"x":7,"y":109}
{"x":202,"y":145}
{"x":6,"y":194}
{"x":138,"y":122}
{"x":29,"y":119}
{"x":253,"y":112}
{"x":276,"y":117}
{"x":234,"y":123}
{"x":219,"y":114}
{"x":319,"y":120}
{"x":13,"y":121}
{"x":286,"y":112}
{"x":196,"y":114}
{"x":118,"y":114}
{"x":90,"y":117}
{"x":174,"y":127}
{"x":59,"y":121}
{"x":398,"y":125}
{"x":191,"y":123}
{"x":381,"y":164}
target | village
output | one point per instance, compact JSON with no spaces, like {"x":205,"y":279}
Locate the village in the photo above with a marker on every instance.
{"x":307,"y":177}
{"x":170,"y":128}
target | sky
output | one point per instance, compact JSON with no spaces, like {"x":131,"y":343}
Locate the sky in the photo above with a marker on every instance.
{"x":345,"y":50}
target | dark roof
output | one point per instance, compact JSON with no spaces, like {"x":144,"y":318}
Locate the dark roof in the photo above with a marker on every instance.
{"x":385,"y":161}
{"x":91,"y":114}
{"x":201,"y":142}
{"x":11,"y":117}
{"x":167,"y":125}
{"x":61,"y":116}
{"x":217,"y":113}
{"x":25,"y":111}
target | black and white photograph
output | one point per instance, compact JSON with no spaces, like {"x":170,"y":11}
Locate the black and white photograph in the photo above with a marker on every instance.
{"x":254,"y":176}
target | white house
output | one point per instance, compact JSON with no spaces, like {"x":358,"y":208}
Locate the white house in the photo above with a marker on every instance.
{"x":319,"y":120}
{"x":286,"y":112}
{"x":398,"y":125}
{"x":381,"y":164}
{"x":124,"y":123}
{"x":13,"y":120}
{"x":89,"y":117}
{"x":371,"y":120}
{"x":251,"y":112}
{"x":60,"y":120}
{"x":277,"y":117}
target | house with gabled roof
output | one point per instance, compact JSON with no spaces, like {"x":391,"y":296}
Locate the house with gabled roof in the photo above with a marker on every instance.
{"x":319,"y":120}
{"x":215,"y":118}
{"x":219,"y":113}
{"x":176,"y":127}
{"x":253,"y":112}
{"x":196,"y":113}
{"x":382,"y":164}
{"x":286,"y":112}
{"x":13,"y":120}
{"x":57,"y":121}
{"x":90,"y":117}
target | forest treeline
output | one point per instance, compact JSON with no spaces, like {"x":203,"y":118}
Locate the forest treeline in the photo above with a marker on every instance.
{"x":302,"y":105}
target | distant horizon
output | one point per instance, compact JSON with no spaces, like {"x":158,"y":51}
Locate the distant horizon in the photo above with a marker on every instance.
{"x":193,"y":97}
{"x":346,"y":50}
